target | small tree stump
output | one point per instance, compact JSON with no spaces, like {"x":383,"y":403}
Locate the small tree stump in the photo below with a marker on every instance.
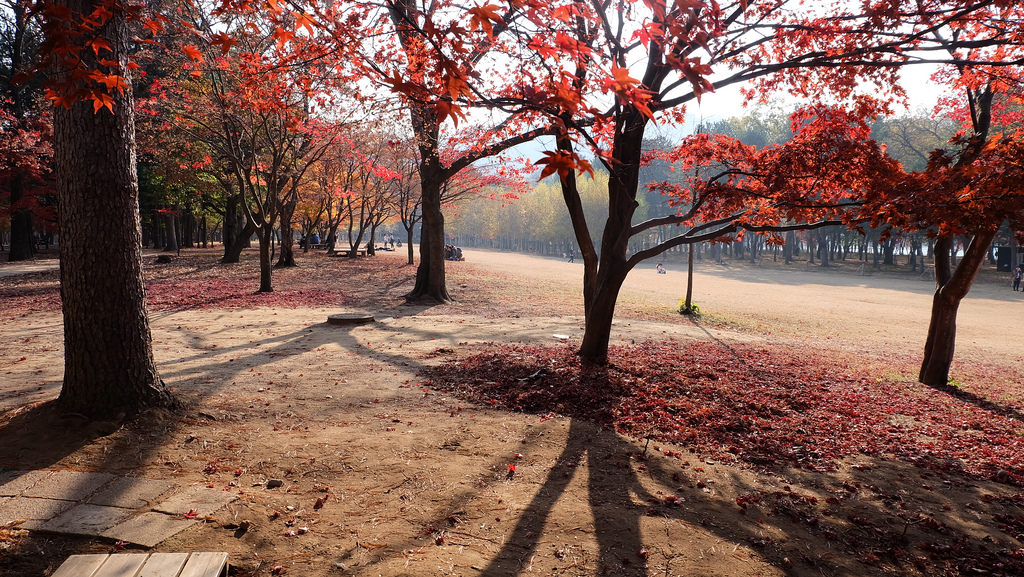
{"x":164,"y":259}
{"x":350,"y":319}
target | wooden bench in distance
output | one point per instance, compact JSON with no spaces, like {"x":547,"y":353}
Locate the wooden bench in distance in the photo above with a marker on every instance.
{"x":145,"y":565}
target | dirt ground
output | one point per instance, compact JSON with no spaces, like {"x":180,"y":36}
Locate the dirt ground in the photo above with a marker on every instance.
{"x":388,"y":477}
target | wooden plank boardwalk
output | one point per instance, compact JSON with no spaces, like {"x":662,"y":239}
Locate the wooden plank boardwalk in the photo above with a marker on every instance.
{"x":145,"y":565}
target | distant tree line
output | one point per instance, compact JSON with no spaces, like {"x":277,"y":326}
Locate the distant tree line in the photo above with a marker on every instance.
{"x":538,"y":223}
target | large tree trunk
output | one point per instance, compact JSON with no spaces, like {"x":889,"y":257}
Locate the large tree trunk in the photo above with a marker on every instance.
{"x":889,"y":247}
{"x":172,"y":233}
{"x":332,"y":239}
{"x":941,"y":342}
{"x":602,"y":282}
{"x":430,"y":275}
{"x":234,"y":245}
{"x":951,"y":287}
{"x":599,"y":316}
{"x":601,"y":294}
{"x":108,"y":358}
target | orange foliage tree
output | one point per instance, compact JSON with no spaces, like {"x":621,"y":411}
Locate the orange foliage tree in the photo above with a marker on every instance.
{"x":440,"y":58}
{"x":240,"y":96}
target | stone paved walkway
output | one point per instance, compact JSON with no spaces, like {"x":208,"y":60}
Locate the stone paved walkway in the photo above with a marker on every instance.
{"x":140,"y":511}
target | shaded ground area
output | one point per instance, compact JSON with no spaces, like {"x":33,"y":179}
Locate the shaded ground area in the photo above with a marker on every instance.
{"x":384,"y":473}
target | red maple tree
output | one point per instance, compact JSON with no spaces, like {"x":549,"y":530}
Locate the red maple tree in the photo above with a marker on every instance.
{"x":603,"y":74}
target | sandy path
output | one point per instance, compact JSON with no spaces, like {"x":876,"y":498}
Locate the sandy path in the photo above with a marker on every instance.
{"x":859,"y":314}
{"x":857,"y":311}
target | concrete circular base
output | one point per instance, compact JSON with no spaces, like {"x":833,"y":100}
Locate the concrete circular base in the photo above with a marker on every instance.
{"x":350,"y":319}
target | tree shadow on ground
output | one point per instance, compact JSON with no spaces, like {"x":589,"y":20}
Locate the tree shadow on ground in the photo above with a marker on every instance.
{"x":980,"y":402}
{"x":42,"y":436}
{"x":35,"y":437}
{"x":622,"y":490}
{"x":612,"y":497}
{"x":879,"y":518}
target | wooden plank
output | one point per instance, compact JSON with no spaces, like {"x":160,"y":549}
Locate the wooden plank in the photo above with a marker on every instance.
{"x":205,"y":565}
{"x":122,"y":565}
{"x":80,"y":566}
{"x":164,"y":565}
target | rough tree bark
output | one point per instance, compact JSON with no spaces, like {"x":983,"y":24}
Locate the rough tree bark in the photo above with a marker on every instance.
{"x":605,"y":273}
{"x":237,"y":230}
{"x":108,"y":359}
{"x":172,"y":233}
{"x":430,"y":275}
{"x":951,"y":288}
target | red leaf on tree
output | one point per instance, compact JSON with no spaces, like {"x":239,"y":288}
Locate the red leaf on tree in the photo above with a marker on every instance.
{"x":192,"y":52}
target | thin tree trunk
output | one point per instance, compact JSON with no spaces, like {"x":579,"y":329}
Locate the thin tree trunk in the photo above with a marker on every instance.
{"x":188,"y":227}
{"x":688,"y":305}
{"x":22,"y":245}
{"x":108,"y":358}
{"x":266,"y":235}
{"x":158,"y":231}
{"x":823,"y":243}
{"x":287,"y":258}
{"x":371,"y":243}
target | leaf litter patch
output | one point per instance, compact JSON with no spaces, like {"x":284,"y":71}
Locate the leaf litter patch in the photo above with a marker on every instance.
{"x":197,"y":281}
{"x":767,"y":408}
